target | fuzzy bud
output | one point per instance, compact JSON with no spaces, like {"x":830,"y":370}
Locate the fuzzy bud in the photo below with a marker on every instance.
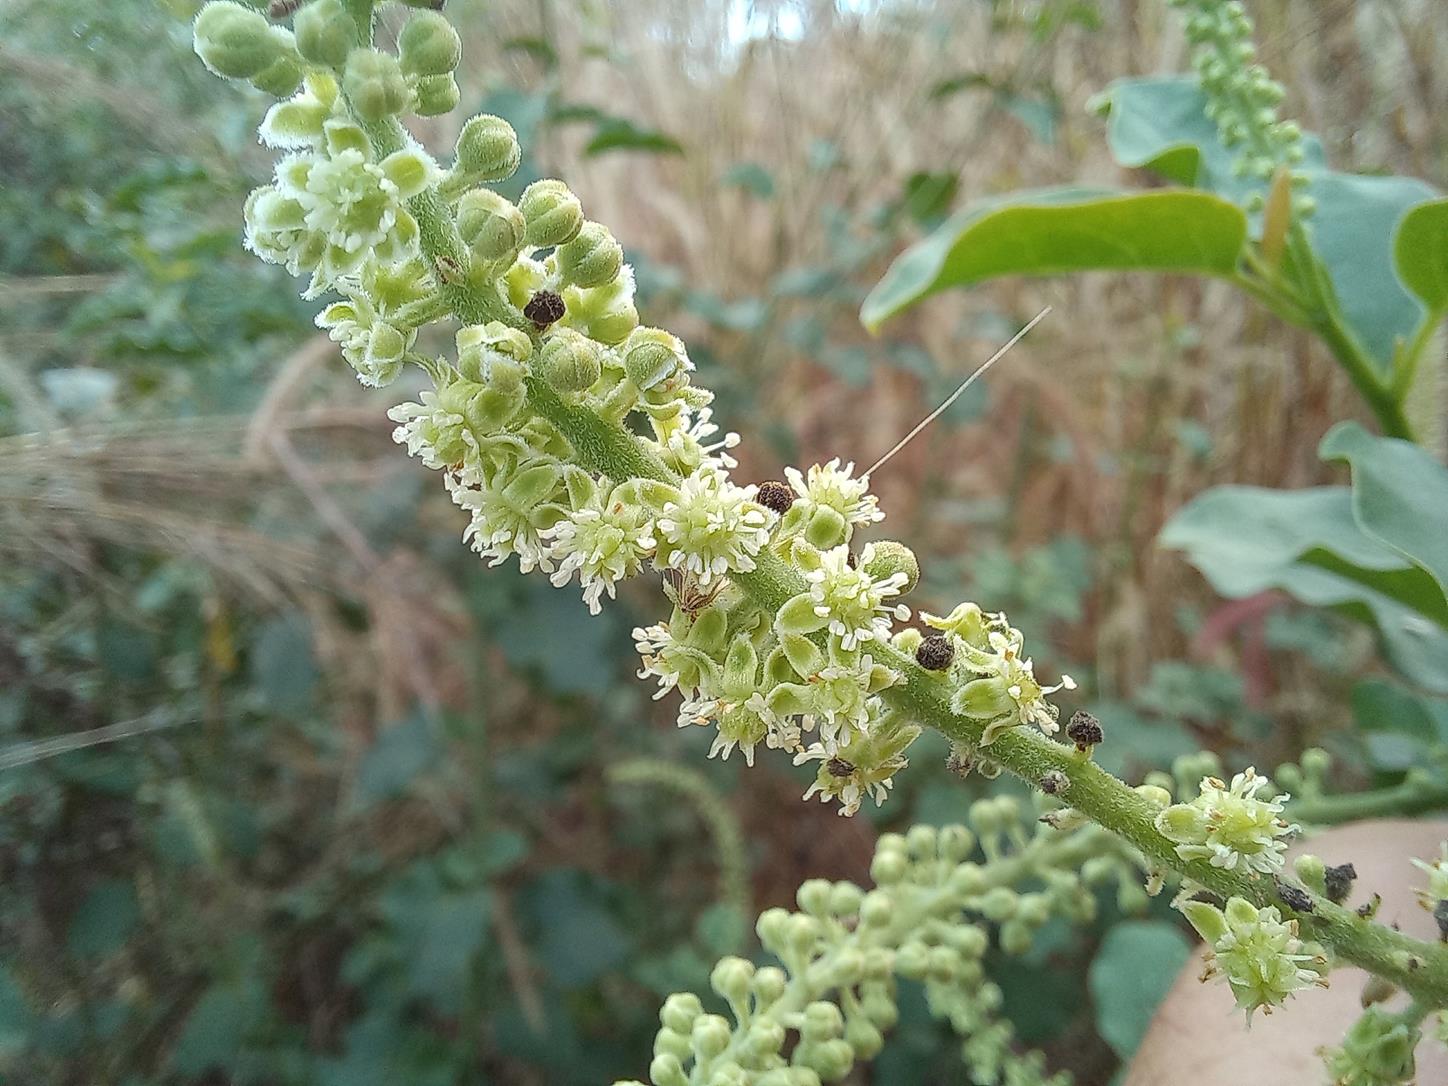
{"x":491,"y":227}
{"x":651,"y":356}
{"x":429,"y":45}
{"x":283,"y":76}
{"x":487,"y":149}
{"x":553,"y":214}
{"x":374,"y":84}
{"x":569,"y":361}
{"x":591,"y":259}
{"x":235,"y":41}
{"x":436,"y":95}
{"x":325,"y":33}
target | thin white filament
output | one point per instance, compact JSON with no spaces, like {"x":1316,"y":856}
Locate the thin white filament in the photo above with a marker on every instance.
{"x":959,"y":392}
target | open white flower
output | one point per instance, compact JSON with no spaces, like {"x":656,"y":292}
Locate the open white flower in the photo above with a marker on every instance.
{"x":1229,"y":826}
{"x":604,"y":542}
{"x":836,"y":488}
{"x":713,"y":528}
{"x":853,"y":604}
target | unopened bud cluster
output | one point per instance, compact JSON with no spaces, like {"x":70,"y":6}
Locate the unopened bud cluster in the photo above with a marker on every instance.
{"x":1243,"y":98}
{"x":941,"y":898}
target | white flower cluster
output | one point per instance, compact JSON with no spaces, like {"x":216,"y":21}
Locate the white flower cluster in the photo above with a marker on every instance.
{"x":551,"y":378}
{"x":1256,"y":952}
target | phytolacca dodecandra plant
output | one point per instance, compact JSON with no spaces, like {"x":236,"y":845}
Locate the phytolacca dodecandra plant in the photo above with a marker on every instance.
{"x":577,"y":441}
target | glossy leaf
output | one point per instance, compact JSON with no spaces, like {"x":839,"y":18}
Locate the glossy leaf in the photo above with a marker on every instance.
{"x":1352,"y":232}
{"x":1247,"y":540}
{"x":1160,"y":124}
{"x":1052,"y":231}
{"x":1399,"y":495}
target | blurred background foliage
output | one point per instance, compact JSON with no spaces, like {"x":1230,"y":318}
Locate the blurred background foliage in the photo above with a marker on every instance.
{"x":293,"y":790}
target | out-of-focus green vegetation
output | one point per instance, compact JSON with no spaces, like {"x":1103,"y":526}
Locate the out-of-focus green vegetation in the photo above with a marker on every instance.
{"x":294,"y":790}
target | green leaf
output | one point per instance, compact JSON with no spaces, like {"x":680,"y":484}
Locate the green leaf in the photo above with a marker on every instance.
{"x":1352,"y":233}
{"x":751,"y":177}
{"x":1399,"y":496}
{"x":1052,"y":231}
{"x":1399,"y":728}
{"x":399,"y":754}
{"x":1247,"y":540}
{"x":619,"y":134}
{"x":282,"y":665}
{"x":1420,"y":253}
{"x":104,"y":920}
{"x":1160,"y":124}
{"x":1131,"y":975}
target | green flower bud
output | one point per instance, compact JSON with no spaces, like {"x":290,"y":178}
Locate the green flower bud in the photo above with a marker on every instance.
{"x":1034,"y":910}
{"x":235,"y":41}
{"x":771,"y":929}
{"x":710,"y":1036}
{"x":876,"y":909}
{"x":880,"y":1009}
{"x":429,"y":45}
{"x":569,"y":361}
{"x":325,"y":33}
{"x":731,"y":977}
{"x":374,"y":84}
{"x":491,"y":227}
{"x":668,"y":1042}
{"x":862,"y":1035}
{"x":1378,"y":1050}
{"x":845,"y":898}
{"x":604,"y":313}
{"x":831,"y":1060}
{"x":283,"y":76}
{"x":822,"y":1022}
{"x":666,"y":1070}
{"x":999,"y":904}
{"x":487,"y":149}
{"x":888,"y":557}
{"x":765,"y":1038}
{"x":967,"y":880}
{"x":969,"y":939}
{"x":801,"y":933}
{"x":680,"y":1010}
{"x":591,"y":259}
{"x":956,"y":843}
{"x":813,"y":896}
{"x":943,"y":964}
{"x":920,"y":842}
{"x":553,"y":214}
{"x":769,"y":984}
{"x":651,"y":356}
{"x":888,"y":868}
{"x":436,"y":95}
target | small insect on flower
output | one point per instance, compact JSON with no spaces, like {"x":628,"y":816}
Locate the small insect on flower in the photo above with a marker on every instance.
{"x":681,"y":586}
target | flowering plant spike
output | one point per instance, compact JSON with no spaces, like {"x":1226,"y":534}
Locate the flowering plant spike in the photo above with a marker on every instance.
{"x":577,"y":441}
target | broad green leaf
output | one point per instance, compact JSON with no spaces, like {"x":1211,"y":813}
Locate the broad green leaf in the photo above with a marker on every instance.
{"x":1352,"y":232}
{"x":1246,"y":540}
{"x":1420,"y":250}
{"x":1399,"y":728}
{"x":1399,"y":495}
{"x":1131,"y":975}
{"x":399,"y":754}
{"x":1160,"y":124}
{"x":1052,"y":231}
{"x":104,"y":920}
